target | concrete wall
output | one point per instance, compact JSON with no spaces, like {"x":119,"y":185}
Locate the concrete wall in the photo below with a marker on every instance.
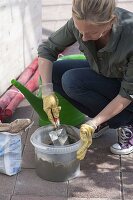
{"x":20,"y":34}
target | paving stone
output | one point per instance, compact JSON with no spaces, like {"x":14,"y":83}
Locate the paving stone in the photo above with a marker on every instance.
{"x":28,"y":144}
{"x":26,"y":197}
{"x":22,"y":112}
{"x":125,"y":4}
{"x":109,"y":138}
{"x":59,"y":9}
{"x":24,"y":103}
{"x":35,"y":118}
{"x":95,"y":185}
{"x":127,"y":179}
{"x":7,"y":184}
{"x":51,"y":23}
{"x":100,"y":159}
{"x":23,"y":138}
{"x":28,"y":183}
{"x":4,"y":197}
{"x":58,"y":2}
{"x":28,"y":159}
{"x":127,"y":163}
{"x":73,"y":198}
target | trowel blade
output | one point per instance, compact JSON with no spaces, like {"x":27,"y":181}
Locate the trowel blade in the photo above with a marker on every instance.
{"x":59,"y":136}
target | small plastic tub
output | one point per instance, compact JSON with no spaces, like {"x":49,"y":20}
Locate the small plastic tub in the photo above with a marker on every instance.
{"x":56,"y":163}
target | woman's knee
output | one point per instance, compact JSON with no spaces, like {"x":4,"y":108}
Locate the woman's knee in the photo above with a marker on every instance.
{"x":62,"y":66}
{"x":74,"y":81}
{"x":68,"y":82}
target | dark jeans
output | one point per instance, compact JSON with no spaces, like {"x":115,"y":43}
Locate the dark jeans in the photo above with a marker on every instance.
{"x":88,"y":91}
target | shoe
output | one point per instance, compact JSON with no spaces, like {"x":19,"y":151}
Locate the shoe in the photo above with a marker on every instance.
{"x":100,"y":130}
{"x":125,"y":141}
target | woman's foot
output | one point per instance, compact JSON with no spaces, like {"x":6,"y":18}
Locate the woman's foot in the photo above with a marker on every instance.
{"x":125,"y":141}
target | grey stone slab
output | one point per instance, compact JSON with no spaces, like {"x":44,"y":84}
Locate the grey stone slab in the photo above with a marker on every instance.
{"x":7,"y":184}
{"x":109,"y":138}
{"x":95,"y":185}
{"x":75,"y":198}
{"x":35,"y":118}
{"x":51,"y":20}
{"x":28,"y":144}
{"x":127,"y":163}
{"x":126,"y":4}
{"x":100,"y":159}
{"x":28,"y":183}
{"x":127,"y":180}
{"x":24,"y":103}
{"x":22,"y":112}
{"x":23,"y":137}
{"x":58,"y":2}
{"x":28,"y":159}
{"x":59,"y":14}
{"x":27,"y":197}
{"x":4,"y":197}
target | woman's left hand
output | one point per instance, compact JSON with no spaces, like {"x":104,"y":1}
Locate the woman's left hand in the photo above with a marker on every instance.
{"x":86,"y":132}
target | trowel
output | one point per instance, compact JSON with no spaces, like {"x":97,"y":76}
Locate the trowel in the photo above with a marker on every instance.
{"x":59,"y":135}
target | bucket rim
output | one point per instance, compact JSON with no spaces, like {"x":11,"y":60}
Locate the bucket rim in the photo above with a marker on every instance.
{"x":53,"y":149}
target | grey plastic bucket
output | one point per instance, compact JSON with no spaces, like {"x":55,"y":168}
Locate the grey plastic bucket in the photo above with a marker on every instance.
{"x":56,"y":163}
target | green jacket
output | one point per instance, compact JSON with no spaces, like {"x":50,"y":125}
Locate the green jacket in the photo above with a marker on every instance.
{"x":115,"y":60}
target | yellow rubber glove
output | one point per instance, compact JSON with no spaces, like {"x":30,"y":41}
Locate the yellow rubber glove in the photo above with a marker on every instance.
{"x":50,"y":103}
{"x":86,"y":132}
{"x":51,"y":107}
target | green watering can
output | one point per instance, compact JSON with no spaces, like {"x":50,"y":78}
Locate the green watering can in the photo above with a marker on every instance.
{"x":69,"y":114}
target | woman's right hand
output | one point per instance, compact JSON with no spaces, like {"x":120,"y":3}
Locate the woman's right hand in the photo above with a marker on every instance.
{"x":51,"y":107}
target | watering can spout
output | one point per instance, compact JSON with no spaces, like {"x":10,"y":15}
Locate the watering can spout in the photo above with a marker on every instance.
{"x":34,"y":101}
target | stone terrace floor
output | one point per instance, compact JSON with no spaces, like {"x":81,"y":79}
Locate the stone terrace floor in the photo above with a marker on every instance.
{"x":103,"y":176}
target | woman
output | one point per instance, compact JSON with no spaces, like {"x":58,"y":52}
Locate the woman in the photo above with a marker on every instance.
{"x":102,"y":86}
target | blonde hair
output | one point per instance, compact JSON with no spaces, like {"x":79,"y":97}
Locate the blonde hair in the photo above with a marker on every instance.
{"x":96,"y":11}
